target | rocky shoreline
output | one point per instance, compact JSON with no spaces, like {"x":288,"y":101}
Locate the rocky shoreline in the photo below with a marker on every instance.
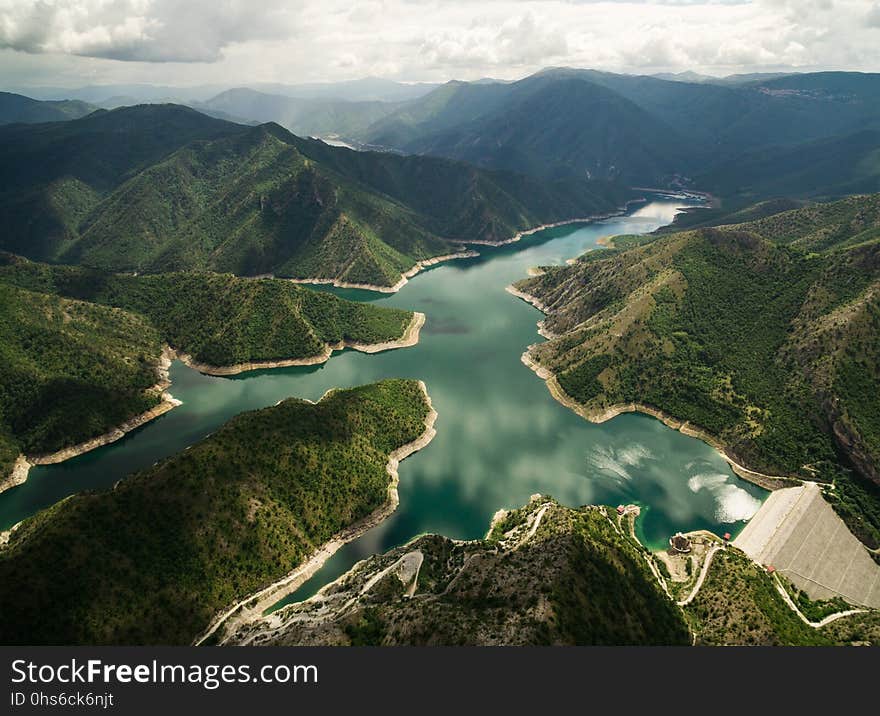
{"x":598,"y":416}
{"x":768,"y":482}
{"x":404,"y":277}
{"x":252,"y":607}
{"x":23,"y":464}
{"x":19,"y":473}
{"x":410,"y":338}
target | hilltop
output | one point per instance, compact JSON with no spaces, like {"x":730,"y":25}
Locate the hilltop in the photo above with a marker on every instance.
{"x":545,"y":574}
{"x":552,"y":575}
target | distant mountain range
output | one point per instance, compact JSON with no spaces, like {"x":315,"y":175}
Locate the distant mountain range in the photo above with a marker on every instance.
{"x":163,"y":187}
{"x":719,"y":134}
{"x":17,"y":108}
{"x":628,"y":128}
{"x":368,"y":89}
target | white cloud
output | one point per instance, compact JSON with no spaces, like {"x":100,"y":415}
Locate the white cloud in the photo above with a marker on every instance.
{"x":231,"y":41}
{"x":140,"y":30}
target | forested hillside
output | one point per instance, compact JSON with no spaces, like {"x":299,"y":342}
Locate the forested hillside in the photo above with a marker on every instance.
{"x":161,"y":188}
{"x":82,"y":347}
{"x":71,"y":371}
{"x":765,"y":334}
{"x":205,"y":527}
{"x":219,"y":319}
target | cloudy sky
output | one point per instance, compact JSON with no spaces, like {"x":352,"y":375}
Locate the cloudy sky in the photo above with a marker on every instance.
{"x":74,"y":42}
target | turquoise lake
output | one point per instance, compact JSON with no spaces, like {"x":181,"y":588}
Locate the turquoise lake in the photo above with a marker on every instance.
{"x":500,"y":435}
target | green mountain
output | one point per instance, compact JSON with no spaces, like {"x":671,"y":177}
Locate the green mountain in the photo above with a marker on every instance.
{"x":72,"y":371}
{"x":544,"y":125}
{"x":643,"y":130}
{"x":204,"y":528}
{"x":766,"y":335}
{"x":576,"y":578}
{"x":185,"y":191}
{"x":16,"y":108}
{"x":218,"y":319}
{"x":827,"y":168}
{"x":82,"y":347}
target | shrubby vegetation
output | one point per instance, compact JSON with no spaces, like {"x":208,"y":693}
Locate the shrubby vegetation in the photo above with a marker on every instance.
{"x":738,"y":605}
{"x":220,"y":319}
{"x":576,"y":581}
{"x":152,"y":561}
{"x":71,"y":370}
{"x":766,"y":334}
{"x":745,"y":331}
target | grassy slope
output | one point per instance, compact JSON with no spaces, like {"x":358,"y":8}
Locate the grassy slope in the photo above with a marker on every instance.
{"x":745,"y":331}
{"x":217,"y":318}
{"x":207,"y":526}
{"x":71,"y":371}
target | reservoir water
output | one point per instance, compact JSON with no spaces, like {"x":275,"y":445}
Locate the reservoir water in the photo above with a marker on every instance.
{"x":500,"y":435}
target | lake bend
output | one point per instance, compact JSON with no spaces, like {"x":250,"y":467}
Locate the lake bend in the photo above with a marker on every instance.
{"x":501,"y":437}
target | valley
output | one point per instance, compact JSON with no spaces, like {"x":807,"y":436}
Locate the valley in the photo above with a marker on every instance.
{"x":225,"y":334}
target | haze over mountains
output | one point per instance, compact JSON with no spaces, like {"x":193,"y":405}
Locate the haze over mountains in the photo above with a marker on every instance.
{"x":710,"y":133}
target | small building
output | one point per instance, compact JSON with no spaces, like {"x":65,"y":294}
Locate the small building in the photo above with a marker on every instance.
{"x":770,"y":569}
{"x":621,"y":509}
{"x":726,"y":537}
{"x":680,"y":544}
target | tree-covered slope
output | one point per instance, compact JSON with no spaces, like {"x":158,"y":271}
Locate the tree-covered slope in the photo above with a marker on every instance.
{"x":15,"y":108}
{"x":219,"y":319}
{"x":739,"y":605}
{"x":464,"y":202}
{"x":159,"y":188}
{"x":764,"y":334}
{"x":71,"y":371}
{"x":154,"y":559}
{"x":545,"y":575}
{"x":833,"y":167}
{"x":81,"y":347}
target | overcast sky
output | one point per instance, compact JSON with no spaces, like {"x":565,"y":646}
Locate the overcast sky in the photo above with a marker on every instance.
{"x":75,"y":42}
